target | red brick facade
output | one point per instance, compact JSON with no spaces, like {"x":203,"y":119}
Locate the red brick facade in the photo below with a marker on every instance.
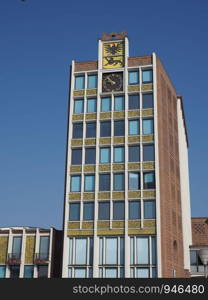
{"x":199,"y":231}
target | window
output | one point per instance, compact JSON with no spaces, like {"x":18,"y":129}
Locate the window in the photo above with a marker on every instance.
{"x":111,"y":273}
{"x":119,"y":103}
{"x":14,"y":271}
{"x":28,"y":271}
{"x":134,"y":181}
{"x":88,"y":213}
{"x":2,"y":271}
{"x":91,"y":129}
{"x":134,"y":153}
{"x":90,"y":156}
{"x":79,"y":272}
{"x":91,"y":105}
{"x":104,"y":182}
{"x":134,"y":210}
{"x":133,"y":127}
{"x":105,"y":155}
{"x":77,"y":131}
{"x":142,"y":250}
{"x":146,"y":76}
{"x":89,"y":183}
{"x":149,"y":180}
{"x":148,"y":153}
{"x":42,"y":271}
{"x":118,"y":210}
{"x":92,"y":81}
{"x":147,"y":100}
{"x":16,"y":247}
{"x":78,"y":106}
{"x":142,"y":273}
{"x":44,"y":247}
{"x":104,"y":211}
{"x":119,"y":182}
{"x":119,"y":128}
{"x":134,"y":77}
{"x":105,"y":104}
{"x":79,"y":82}
{"x":76,"y":156}
{"x":149,"y":209}
{"x":134,"y":102}
{"x":148,"y":126}
{"x":75,"y":183}
{"x":74,"y":211}
{"x":105,"y":128}
{"x":118,"y":154}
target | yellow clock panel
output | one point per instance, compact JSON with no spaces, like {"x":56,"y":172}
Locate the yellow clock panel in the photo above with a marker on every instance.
{"x":112,"y":62}
{"x":113,"y":55}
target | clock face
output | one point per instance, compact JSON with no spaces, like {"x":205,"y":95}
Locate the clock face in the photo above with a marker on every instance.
{"x":112,"y":82}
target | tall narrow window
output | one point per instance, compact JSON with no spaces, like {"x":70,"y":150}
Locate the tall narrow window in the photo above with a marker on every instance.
{"x":88,"y":213}
{"x":104,"y":182}
{"x":75,"y":183}
{"x":76,"y":156}
{"x":149,"y":209}
{"x":74,"y":211}
{"x":14,"y":271}
{"x":142,"y":250}
{"x":104,"y":210}
{"x":16,"y":247}
{"x":105,"y":155}
{"x":118,"y":210}
{"x":2,"y":271}
{"x":134,"y":127}
{"x":105,"y":128}
{"x":92,"y":81}
{"x":77,"y":131}
{"x":134,"y":77}
{"x":134,"y":181}
{"x":78,"y":106}
{"x":90,"y":156}
{"x":91,"y":129}
{"x":148,"y":153}
{"x":119,"y":103}
{"x":148,"y":126}
{"x":134,"y":153}
{"x":44,"y":247}
{"x":119,"y":183}
{"x":134,"y":102}
{"x":105,"y":104}
{"x":134,"y":210}
{"x":89,"y":183}
{"x":147,"y":100}
{"x":91,"y":105}
{"x":79,"y":82}
{"x":119,"y":128}
{"x":147,"y":76}
{"x":118,"y":154}
{"x":149,"y":180}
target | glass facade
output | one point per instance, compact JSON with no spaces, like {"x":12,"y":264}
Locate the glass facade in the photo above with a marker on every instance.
{"x":91,"y":105}
{"x":78,"y":106}
{"x":105,"y":155}
{"x":75,"y":183}
{"x":119,"y":103}
{"x":133,"y":77}
{"x":79,"y":82}
{"x":119,"y":154}
{"x":90,"y":156}
{"x":134,"y":127}
{"x":92,"y":81}
{"x":105,"y":104}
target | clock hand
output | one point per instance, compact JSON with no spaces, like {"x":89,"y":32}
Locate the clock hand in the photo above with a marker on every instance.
{"x":113,"y":82}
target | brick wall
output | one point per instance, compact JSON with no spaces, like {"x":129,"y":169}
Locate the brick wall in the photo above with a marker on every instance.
{"x":199,"y":231}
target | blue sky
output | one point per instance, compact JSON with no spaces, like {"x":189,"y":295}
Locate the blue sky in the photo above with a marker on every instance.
{"x":38,"y":39}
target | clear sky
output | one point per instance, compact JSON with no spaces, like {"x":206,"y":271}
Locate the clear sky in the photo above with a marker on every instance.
{"x":38,"y":40}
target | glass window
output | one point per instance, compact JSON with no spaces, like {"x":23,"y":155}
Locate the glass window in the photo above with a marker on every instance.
{"x":146,"y":76}
{"x":78,"y":106}
{"x":147,"y":100}
{"x":91,"y":129}
{"x":2,"y":271}
{"x":193,"y":257}
{"x":149,"y":180}
{"x":104,"y":182}
{"x":104,"y":211}
{"x":119,"y":128}
{"x":105,"y":128}
{"x":90,"y":156}
{"x":14,"y":271}
{"x":142,"y":273}
{"x":111,"y":251}
{"x":81,"y":251}
{"x":118,"y":154}
{"x":133,"y":127}
{"x":149,"y":209}
{"x":134,"y":181}
{"x":76,"y":156}
{"x":134,"y":102}
{"x":75,"y":183}
{"x":16,"y":247}
{"x":77,"y":131}
{"x":148,"y":126}
{"x":134,"y":210}
{"x":119,"y":182}
{"x":154,"y":252}
{"x":42,"y":271}
{"x":148,"y":153}
{"x":28,"y":271}
{"x":91,"y":105}
{"x":79,"y":82}
{"x":142,"y":250}
{"x":111,"y":273}
{"x":118,"y":210}
{"x":74,"y":211}
{"x":89,"y":183}
{"x":134,"y":153}
{"x":105,"y":104}
{"x":134,"y":77}
{"x":88,"y":213}
{"x":105,"y":155}
{"x":80,"y":273}
{"x":119,"y":103}
{"x":44,"y":247}
{"x":92,"y":81}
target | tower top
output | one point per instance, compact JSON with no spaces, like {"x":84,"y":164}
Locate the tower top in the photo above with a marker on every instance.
{"x":113,"y":36}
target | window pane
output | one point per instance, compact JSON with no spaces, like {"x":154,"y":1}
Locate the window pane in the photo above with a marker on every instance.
{"x":89,"y":183}
{"x":119,"y":103}
{"x":148,"y":127}
{"x":142,"y":250}
{"x":104,"y":155}
{"x":81,"y":251}
{"x":134,"y":102}
{"x":42,"y":271}
{"x":92,"y":81}
{"x":104,"y":182}
{"x":134,"y":127}
{"x":28,"y":271}
{"x":91,"y":105}
{"x":154,"y":272}
{"x":118,"y":154}
{"x":134,"y":210}
{"x":79,"y":82}
{"x":134,"y":181}
{"x":105,"y":129}
{"x":16,"y":247}
{"x":148,"y":153}
{"x":147,"y":76}
{"x":142,"y":273}
{"x":90,"y":155}
{"x":78,"y":106}
{"x":104,"y":211}
{"x":2,"y":271}
{"x":154,"y":252}
{"x":74,"y":211}
{"x":149,"y":210}
{"x":193,"y":256}
{"x":118,"y":210}
{"x":80,"y":273}
{"x":91,"y":129}
{"x":118,"y":182}
{"x":134,"y":153}
{"x":44,"y":247}
{"x":105,"y":104}
{"x":134,"y":77}
{"x":14,"y":271}
{"x":76,"y":157}
{"x":149,"y":180}
{"x":110,"y":273}
{"x":111,"y":251}
{"x":122,"y":249}
{"x":147,"y":100}
{"x":77,"y":131}
{"x":119,"y":129}
{"x":75,"y":183}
